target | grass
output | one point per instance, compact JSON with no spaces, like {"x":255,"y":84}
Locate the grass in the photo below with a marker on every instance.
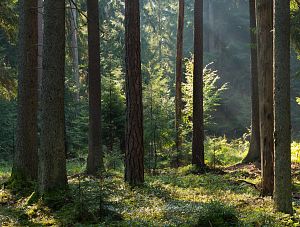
{"x":5,"y":169}
{"x":172,"y":197}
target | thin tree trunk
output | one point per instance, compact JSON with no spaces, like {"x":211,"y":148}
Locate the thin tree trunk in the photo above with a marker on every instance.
{"x":264,"y":9}
{"x":134,"y":156}
{"x":159,"y":30}
{"x":178,"y":98}
{"x":211,"y":27}
{"x":25,"y":165}
{"x":282,"y":108}
{"x":52,"y":157}
{"x":95,"y":156}
{"x":254,"y":150}
{"x":151,"y":126}
{"x":74,"y":46}
{"x":155,"y":148}
{"x":198,"y":128}
{"x":111,"y":126}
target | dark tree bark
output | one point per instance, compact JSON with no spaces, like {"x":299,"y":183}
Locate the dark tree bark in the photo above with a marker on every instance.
{"x":25,"y":165}
{"x":40,"y":44}
{"x":282,"y":108}
{"x":264,"y":10}
{"x":254,"y":150}
{"x":178,"y":98}
{"x":95,"y":157}
{"x":134,"y":156}
{"x":52,"y":157}
{"x":198,"y":129}
{"x":74,"y":46}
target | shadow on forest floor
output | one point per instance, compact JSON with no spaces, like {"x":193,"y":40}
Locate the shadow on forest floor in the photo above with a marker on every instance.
{"x":173,"y":197}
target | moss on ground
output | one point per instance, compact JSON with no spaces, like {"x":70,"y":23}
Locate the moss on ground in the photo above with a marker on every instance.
{"x":174,"y":197}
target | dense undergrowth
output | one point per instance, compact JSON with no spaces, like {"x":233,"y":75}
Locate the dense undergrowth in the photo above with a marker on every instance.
{"x":225,"y":196}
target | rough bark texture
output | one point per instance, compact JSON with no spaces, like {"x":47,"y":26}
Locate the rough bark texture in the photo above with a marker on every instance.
{"x":198,"y":129}
{"x":25,"y":165}
{"x":282,"y":108}
{"x":52,"y":171}
{"x":264,"y":10}
{"x":178,"y":98}
{"x":95,"y":157}
{"x":74,"y":46}
{"x":134,"y":156}
{"x":40,"y":44}
{"x":254,"y":150}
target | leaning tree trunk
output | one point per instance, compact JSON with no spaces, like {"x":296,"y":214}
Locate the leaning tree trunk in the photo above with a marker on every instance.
{"x":134,"y":156}
{"x":254,"y":150}
{"x":178,"y":98}
{"x":52,"y":157}
{"x":25,"y":165}
{"x":198,"y":128}
{"x":95,"y":157}
{"x":282,"y":108}
{"x":264,"y":10}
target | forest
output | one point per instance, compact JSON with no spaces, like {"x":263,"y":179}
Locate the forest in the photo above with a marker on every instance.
{"x":150,"y":113}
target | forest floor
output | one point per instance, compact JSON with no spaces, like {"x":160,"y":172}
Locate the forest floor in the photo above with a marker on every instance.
{"x":172,"y":197}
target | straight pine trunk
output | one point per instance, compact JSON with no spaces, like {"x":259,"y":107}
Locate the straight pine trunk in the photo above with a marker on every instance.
{"x":95,"y":157}
{"x":74,"y":46}
{"x":254,"y":150}
{"x":40,"y":44}
{"x":198,"y":128}
{"x":178,"y":98}
{"x":211,"y":25}
{"x":282,"y":108}
{"x":52,"y":157}
{"x":25,"y":164}
{"x":134,"y":156}
{"x":264,"y":10}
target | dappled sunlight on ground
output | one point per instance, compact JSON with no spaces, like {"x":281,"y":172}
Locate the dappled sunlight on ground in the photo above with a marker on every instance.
{"x":169,"y":198}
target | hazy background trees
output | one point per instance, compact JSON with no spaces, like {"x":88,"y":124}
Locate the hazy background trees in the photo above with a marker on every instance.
{"x":229,"y":52}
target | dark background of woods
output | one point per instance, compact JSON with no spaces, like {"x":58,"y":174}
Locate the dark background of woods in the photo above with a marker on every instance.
{"x":226,"y":43}
{"x":227,"y":107}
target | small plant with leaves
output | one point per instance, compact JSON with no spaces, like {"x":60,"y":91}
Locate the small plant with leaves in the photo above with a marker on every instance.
{"x":217,"y":214}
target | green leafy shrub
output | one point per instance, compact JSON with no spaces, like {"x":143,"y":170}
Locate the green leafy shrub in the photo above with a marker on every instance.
{"x":186,"y":170}
{"x":221,"y":152}
{"x":295,"y":149}
{"x":258,"y":218}
{"x":217,"y":214}
{"x":211,"y":94}
{"x":7,"y":129}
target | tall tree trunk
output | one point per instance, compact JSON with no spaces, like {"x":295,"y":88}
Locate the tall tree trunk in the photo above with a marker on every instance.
{"x":111,"y":124}
{"x":282,"y":108}
{"x":178,"y":98}
{"x":211,"y":27}
{"x":40,"y":44}
{"x":134,"y":156}
{"x":264,"y":10}
{"x":254,"y":150}
{"x":198,"y":129}
{"x":52,"y":175}
{"x":25,"y":165}
{"x":95,"y":157}
{"x":74,"y":46}
{"x":160,"y":31}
